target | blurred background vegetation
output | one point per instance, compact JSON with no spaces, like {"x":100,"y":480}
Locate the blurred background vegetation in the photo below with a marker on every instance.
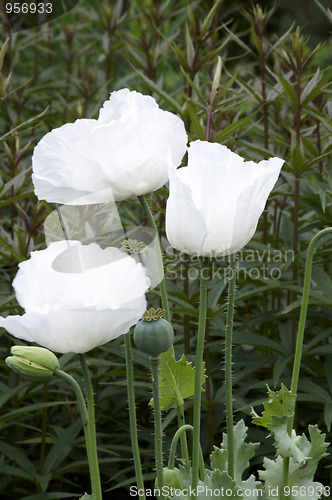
{"x":272,"y":97}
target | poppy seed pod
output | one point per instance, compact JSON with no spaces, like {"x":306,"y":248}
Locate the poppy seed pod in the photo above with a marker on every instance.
{"x":153,"y":334}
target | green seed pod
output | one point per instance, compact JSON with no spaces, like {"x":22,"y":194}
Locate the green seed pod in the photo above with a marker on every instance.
{"x":172,"y":479}
{"x":35,"y":363}
{"x":153,"y":334}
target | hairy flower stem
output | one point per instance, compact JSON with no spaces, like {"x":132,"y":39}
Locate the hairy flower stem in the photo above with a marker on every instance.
{"x":158,"y":435}
{"x":228,"y":364}
{"x":198,"y":374}
{"x":171,"y":460}
{"x":300,"y":337}
{"x":303,"y":315}
{"x":92,"y":459}
{"x":132,"y":415}
{"x":162,"y":286}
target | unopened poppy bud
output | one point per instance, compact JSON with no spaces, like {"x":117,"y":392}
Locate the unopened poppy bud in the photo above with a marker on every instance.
{"x":172,"y":479}
{"x":36,"y":363}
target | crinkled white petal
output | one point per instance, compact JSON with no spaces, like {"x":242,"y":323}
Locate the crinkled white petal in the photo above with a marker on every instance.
{"x":126,"y":152}
{"x":253,"y":199}
{"x":76,"y":331}
{"x":186,"y":229}
{"x":77,"y":297}
{"x":68,"y":272}
{"x":225,"y":192}
{"x":135,"y":154}
{"x":123,"y":104}
{"x":65,"y":169}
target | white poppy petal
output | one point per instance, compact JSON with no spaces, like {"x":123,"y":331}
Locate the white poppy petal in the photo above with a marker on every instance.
{"x":64,"y":168}
{"x":77,"y":297}
{"x":76,"y":331}
{"x":126,"y":152}
{"x":220,"y":192}
{"x":185,"y":225}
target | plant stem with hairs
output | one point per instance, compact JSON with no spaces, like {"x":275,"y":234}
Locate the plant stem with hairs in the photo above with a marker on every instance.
{"x":198,"y":374}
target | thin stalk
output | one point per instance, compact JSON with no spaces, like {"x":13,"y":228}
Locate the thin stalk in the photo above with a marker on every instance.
{"x":198,"y":375}
{"x":171,"y":459}
{"x":158,"y":435}
{"x":208,"y":391}
{"x":295,"y":215}
{"x":285,"y":477}
{"x":303,"y":315}
{"x":228,"y":364}
{"x":162,"y":285}
{"x":95,"y":475}
{"x":300,"y":337}
{"x":183,"y":438}
{"x":132,"y":415}
{"x":78,"y":394}
{"x":186,"y":319}
{"x":84,"y":413}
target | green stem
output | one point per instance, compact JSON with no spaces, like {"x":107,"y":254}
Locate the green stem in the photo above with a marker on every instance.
{"x":162,"y":285}
{"x":303,"y":315}
{"x":158,"y":436}
{"x":78,"y":394}
{"x":132,"y":415}
{"x":285,"y":477}
{"x":300,"y":338}
{"x":94,"y":464}
{"x":198,"y":374}
{"x":183,"y":438}
{"x":228,"y":364}
{"x":84,"y":414}
{"x":171,"y":460}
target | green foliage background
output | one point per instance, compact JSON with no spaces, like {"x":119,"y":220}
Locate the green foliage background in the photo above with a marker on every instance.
{"x":271,"y":98}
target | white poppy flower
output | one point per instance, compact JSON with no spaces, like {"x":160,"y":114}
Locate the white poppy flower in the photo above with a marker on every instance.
{"x":77,"y":297}
{"x":215,"y":202}
{"x":126,"y":152}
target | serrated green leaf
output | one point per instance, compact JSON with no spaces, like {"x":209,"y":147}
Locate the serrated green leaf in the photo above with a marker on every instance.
{"x":280,"y":404}
{"x":299,"y":475}
{"x":243,"y":451}
{"x":314,"y":450}
{"x":218,"y":459}
{"x":286,"y":445}
{"x":177,"y":381}
{"x":216,"y":480}
{"x":87,"y":497}
{"x":221,"y":482}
